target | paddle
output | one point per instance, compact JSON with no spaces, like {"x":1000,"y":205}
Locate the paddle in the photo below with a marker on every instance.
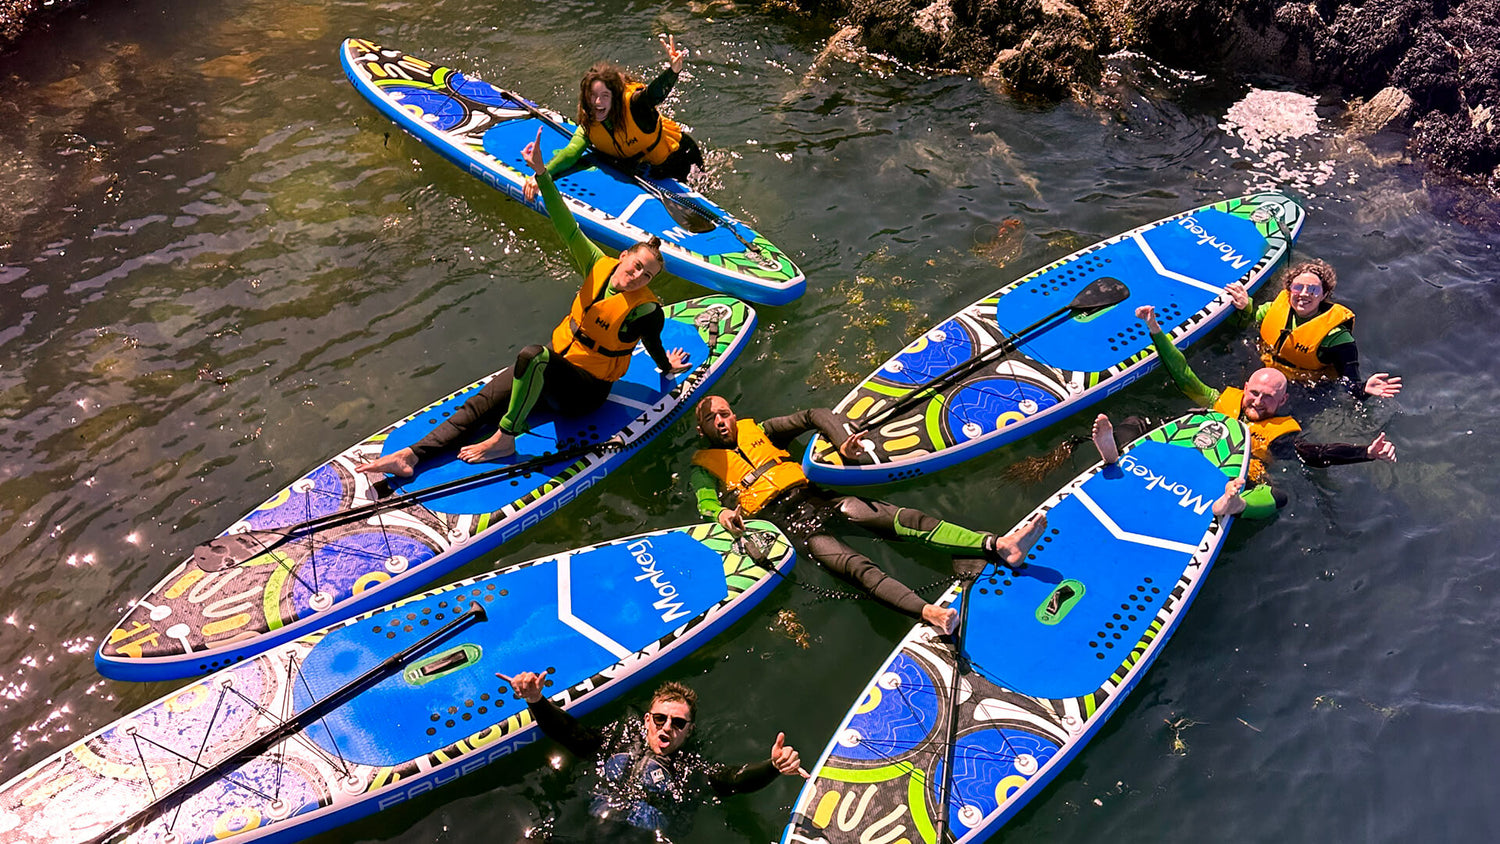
{"x":1098,"y":295}
{"x":236,"y":549}
{"x":960,"y":668}
{"x":683,"y":210}
{"x":316,"y":709}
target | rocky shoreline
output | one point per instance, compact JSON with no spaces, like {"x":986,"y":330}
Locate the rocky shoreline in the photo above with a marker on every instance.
{"x":1427,"y":68}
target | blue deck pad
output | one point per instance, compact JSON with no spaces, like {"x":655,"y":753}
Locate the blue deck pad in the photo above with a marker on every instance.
{"x":927,"y":358}
{"x":983,"y":758}
{"x":984,"y":401}
{"x":607,"y":189}
{"x":1153,"y":503}
{"x":643,"y":384}
{"x":609,"y":613}
{"x":1189,"y":261}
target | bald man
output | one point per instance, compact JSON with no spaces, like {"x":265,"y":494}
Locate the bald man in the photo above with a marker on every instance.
{"x":1259,"y":404}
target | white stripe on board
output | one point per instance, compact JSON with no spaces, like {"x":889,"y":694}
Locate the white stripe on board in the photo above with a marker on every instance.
{"x":630,"y":403}
{"x":1166,"y":273}
{"x":565,"y":610}
{"x":634,"y":206}
{"x":1125,"y":535}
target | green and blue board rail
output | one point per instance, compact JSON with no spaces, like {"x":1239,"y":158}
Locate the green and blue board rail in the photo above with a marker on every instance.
{"x":201,"y":617}
{"x":482,"y":129}
{"x":942,"y":749}
{"x":214,"y":759}
{"x":957,"y":395}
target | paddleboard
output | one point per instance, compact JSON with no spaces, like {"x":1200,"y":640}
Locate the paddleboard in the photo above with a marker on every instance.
{"x":209,"y":613}
{"x":1180,"y":264}
{"x":1052,"y":649}
{"x":482,"y":129}
{"x":597,"y":621}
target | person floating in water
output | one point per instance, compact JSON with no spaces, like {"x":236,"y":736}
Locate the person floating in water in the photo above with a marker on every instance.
{"x":650,"y":778}
{"x":1306,"y":335}
{"x":589,"y":351}
{"x":617,"y":118}
{"x":1259,"y":405}
{"x":748,"y":462}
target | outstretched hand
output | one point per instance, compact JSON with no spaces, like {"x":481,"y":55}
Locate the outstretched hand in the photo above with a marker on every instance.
{"x":1147,"y":314}
{"x":731,"y":520}
{"x":1383,"y":385}
{"x":526,"y":684}
{"x":1381,"y":449}
{"x":675,"y":56}
{"x":785,"y":757}
{"x":677,"y":361}
{"x":533,"y":154}
{"x":1238,"y":295}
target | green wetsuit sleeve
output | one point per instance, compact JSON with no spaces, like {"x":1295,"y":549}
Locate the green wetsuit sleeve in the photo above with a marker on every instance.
{"x":706,"y":492}
{"x":1176,"y":365}
{"x":566,"y":157}
{"x":581,"y":250}
{"x":1247,"y":317}
{"x":1260,"y":502}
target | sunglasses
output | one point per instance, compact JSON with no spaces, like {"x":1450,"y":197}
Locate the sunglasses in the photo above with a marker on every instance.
{"x":660,"y":719}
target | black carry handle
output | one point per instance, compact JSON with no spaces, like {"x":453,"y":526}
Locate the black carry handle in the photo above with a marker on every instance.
{"x":1098,"y":295}
{"x":299,"y":721}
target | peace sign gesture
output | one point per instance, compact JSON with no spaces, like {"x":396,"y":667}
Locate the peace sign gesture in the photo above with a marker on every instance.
{"x":674,"y":55}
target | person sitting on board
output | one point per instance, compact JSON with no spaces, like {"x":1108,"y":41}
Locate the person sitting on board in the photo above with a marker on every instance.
{"x":749,"y":462}
{"x":1258,"y":404}
{"x":649,"y":778}
{"x":1306,"y":335}
{"x":617,"y":118}
{"x":590,"y":349}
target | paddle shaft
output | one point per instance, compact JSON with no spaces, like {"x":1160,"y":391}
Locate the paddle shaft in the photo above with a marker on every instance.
{"x":960,"y":667}
{"x":344,"y":517}
{"x":299,"y":721}
{"x":651,"y":188}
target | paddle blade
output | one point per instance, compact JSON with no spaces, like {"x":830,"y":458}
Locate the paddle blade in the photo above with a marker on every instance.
{"x":685,"y":216}
{"x":1100,"y":294}
{"x":236,"y":549}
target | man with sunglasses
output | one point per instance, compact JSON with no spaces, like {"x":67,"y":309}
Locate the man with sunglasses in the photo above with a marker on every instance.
{"x":647,"y":779}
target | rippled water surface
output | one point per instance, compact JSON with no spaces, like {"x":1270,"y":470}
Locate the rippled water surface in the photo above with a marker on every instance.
{"x":219,"y":266}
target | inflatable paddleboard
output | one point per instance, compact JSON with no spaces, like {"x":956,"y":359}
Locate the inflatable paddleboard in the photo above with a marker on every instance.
{"x":1051,"y":649}
{"x":597,"y":621}
{"x":990,"y":398}
{"x":215,"y":609}
{"x":483,"y":129}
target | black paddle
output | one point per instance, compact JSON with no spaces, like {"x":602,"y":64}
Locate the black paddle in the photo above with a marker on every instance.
{"x":1098,"y":295}
{"x":236,"y":549}
{"x":301,"y":720}
{"x":960,"y":668}
{"x":685,"y":212}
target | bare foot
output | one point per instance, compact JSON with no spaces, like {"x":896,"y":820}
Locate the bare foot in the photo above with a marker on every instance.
{"x":1231,"y":503}
{"x":1104,"y":439}
{"x":1012,"y":547}
{"x":402,"y":464}
{"x":498,"y":446}
{"x":943,"y":618}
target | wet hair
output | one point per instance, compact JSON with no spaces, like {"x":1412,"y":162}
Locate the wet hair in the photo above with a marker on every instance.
{"x":651,"y":247}
{"x":1321,"y":269}
{"x":673,"y":691}
{"x":615,"y":78}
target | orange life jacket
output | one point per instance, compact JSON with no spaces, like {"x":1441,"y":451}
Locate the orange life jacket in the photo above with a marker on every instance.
{"x":1294,"y":351}
{"x":755,"y":468}
{"x":1262,"y":433}
{"x":629,"y":141}
{"x":589,"y":337}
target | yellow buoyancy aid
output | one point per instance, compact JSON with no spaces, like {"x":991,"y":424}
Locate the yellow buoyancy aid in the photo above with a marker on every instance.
{"x":755,"y":468}
{"x":629,"y":141}
{"x":1262,"y":433}
{"x":1294,"y":351}
{"x":589,"y":337}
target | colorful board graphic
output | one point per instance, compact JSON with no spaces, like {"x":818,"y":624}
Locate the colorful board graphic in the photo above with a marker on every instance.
{"x":598,"y":621}
{"x":483,"y":129}
{"x":1180,"y":264}
{"x":1052,"y":648}
{"x":197,"y":620}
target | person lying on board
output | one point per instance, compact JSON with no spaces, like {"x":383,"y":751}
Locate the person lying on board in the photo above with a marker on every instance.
{"x":649,"y":778}
{"x":1258,"y":404}
{"x":617,"y":118}
{"x":749,"y":463}
{"x":1306,"y":335}
{"x":589,"y":351}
